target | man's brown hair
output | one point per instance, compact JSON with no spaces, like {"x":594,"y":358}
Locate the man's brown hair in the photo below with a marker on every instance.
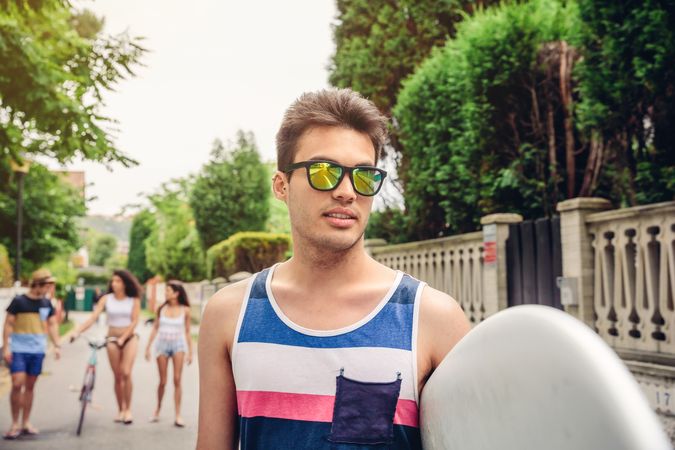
{"x":334,"y":108}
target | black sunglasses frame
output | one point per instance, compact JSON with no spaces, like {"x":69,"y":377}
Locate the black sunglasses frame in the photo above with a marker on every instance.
{"x":306,"y":164}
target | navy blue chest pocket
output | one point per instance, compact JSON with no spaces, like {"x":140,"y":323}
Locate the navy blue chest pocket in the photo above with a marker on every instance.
{"x":364,"y":412}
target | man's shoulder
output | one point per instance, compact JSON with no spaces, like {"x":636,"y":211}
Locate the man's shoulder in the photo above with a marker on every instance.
{"x":442,"y":323}
{"x":438,"y":302}
{"x":221,"y":314}
{"x":438,"y":311}
{"x":19,"y":302}
{"x":228,"y":300}
{"x":20,"y":298}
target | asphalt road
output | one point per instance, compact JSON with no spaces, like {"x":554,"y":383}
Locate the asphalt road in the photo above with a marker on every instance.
{"x":56,"y":407}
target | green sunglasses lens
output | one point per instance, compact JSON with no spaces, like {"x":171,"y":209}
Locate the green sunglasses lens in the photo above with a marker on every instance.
{"x":324,"y":176}
{"x":367,"y":181}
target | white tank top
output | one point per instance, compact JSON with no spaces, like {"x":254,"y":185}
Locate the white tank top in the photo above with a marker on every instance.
{"x":119,"y":311}
{"x":171,"y":327}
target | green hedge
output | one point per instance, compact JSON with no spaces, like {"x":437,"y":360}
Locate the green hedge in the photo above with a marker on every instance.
{"x":91,"y":278}
{"x":249,"y":251}
{"x":6,"y":274}
{"x":464,"y":120}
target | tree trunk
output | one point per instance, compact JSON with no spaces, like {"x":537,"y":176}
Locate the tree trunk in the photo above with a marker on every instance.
{"x":566,"y":58}
{"x":550,"y":130}
{"x":592,"y":167}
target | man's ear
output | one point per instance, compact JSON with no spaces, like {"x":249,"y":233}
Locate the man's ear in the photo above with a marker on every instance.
{"x":280,"y":186}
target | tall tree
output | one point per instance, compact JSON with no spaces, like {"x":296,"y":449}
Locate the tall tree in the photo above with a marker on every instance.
{"x":380,"y":42}
{"x":539,"y":101}
{"x":172,"y":249}
{"x":50,"y":211}
{"x":231,"y":193}
{"x":484,"y":121}
{"x":56,"y":65}
{"x":103,"y":247}
{"x":6,"y":273}
{"x":627,"y":107}
{"x":141,"y":227}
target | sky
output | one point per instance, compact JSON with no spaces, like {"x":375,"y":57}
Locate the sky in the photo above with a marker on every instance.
{"x":214,"y":67}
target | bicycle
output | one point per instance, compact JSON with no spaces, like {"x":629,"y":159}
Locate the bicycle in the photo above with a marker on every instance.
{"x":90,"y":376}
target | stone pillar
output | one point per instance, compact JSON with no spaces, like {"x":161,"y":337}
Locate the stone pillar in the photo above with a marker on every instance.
{"x":495,"y":233}
{"x":577,"y":252}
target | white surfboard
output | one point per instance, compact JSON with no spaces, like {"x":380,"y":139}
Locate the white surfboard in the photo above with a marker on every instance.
{"x":533,"y":377}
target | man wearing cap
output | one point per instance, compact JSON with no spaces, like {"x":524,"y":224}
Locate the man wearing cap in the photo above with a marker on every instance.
{"x":30,"y":317}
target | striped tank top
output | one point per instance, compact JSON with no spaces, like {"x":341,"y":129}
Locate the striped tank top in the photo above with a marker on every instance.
{"x":351,"y":388}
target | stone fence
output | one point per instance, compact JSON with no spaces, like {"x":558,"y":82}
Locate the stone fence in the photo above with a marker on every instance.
{"x":470,"y":267}
{"x":624,"y":261}
{"x":618,"y":269}
{"x":618,"y":278}
{"x":451,"y":264}
{"x":634,"y":278}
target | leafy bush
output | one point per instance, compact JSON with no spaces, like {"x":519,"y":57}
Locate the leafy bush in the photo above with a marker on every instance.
{"x":389,"y":224}
{"x":64,"y":271}
{"x":535,"y":102}
{"x":6,"y":274}
{"x":66,"y":65}
{"x":95,"y":279}
{"x":116,"y":261}
{"x":627,"y":90}
{"x":141,"y":228}
{"x":248,"y":251}
{"x":172,"y":249}
{"x":379,"y":42}
{"x":103,"y":247}
{"x":51,"y":208}
{"x":470,"y":120}
{"x":232,"y":191}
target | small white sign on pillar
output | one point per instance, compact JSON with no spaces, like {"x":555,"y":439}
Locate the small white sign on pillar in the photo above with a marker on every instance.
{"x":569,"y":292}
{"x":490,"y":244}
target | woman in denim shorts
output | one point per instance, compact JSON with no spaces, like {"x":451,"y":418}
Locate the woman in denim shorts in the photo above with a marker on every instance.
{"x":172,"y":329}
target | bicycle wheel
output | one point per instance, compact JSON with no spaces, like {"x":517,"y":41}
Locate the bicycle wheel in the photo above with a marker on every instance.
{"x":84,"y":399}
{"x":85,"y":396}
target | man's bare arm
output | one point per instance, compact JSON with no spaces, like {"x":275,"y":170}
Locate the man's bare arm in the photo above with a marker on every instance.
{"x":217,"y":393}
{"x":53,"y":330}
{"x":6,"y":333}
{"x":442,"y":324}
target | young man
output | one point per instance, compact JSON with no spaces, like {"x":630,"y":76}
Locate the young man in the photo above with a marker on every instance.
{"x":30,"y":317}
{"x":330,"y":349}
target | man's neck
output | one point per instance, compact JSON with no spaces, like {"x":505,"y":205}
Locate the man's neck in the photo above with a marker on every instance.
{"x":321,"y":267}
{"x":33,"y":294}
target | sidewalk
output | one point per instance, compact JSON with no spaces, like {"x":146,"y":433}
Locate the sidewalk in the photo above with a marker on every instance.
{"x":56,"y":407}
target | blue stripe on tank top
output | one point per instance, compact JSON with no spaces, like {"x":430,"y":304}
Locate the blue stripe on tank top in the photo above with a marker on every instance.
{"x":283,"y":434}
{"x":405,"y":291}
{"x":390,"y":328}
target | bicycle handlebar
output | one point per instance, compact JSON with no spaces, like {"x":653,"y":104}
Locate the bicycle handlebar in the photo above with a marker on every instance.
{"x":97,"y":344}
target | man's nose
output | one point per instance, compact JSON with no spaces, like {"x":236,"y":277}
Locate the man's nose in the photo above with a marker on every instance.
{"x":345,"y":191}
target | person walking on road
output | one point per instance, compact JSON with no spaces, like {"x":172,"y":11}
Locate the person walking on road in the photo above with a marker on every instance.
{"x":172,"y":329}
{"x":329,"y":349}
{"x":122,"y":305}
{"x":30,"y":318}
